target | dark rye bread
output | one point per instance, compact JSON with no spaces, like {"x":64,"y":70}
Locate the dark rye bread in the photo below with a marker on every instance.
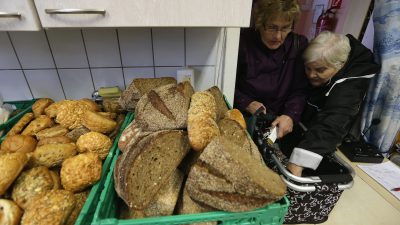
{"x":140,"y":87}
{"x":145,"y":167}
{"x":222,"y":108}
{"x":226,"y":177}
{"x":164,"y":108}
{"x":234,"y":132}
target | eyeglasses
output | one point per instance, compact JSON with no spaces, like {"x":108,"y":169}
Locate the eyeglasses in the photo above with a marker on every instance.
{"x":272,"y":29}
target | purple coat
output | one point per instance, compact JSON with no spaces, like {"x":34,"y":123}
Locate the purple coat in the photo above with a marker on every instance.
{"x":275,"y":78}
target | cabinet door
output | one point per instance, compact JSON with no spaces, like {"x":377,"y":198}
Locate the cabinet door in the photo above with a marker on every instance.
{"x":144,"y":13}
{"x":18,"y":15}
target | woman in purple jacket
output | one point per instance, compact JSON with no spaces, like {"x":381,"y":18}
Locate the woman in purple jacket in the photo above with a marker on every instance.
{"x":270,"y":70}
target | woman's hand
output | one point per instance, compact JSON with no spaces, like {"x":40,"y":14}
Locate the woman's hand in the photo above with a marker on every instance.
{"x":284,"y":124}
{"x":295,"y":169}
{"x":253,"y":106}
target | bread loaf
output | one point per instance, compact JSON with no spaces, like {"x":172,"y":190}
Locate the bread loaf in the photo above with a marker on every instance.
{"x":140,"y":87}
{"x":77,"y":132}
{"x":52,"y":132}
{"x":164,"y":107}
{"x":96,"y":122}
{"x":10,"y":213}
{"x":54,"y":207}
{"x":226,"y":177}
{"x":202,"y":115}
{"x":11,"y":164}
{"x":146,"y":167}
{"x":221,"y":106}
{"x":80,"y":172}
{"x":18,"y":143}
{"x":40,"y":105}
{"x":51,"y":155}
{"x":236,"y":115}
{"x":40,"y":123}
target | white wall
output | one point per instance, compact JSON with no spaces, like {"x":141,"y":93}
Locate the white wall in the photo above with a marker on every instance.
{"x":72,"y":63}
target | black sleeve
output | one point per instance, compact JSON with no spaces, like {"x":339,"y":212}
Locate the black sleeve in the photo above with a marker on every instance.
{"x":332,"y":123}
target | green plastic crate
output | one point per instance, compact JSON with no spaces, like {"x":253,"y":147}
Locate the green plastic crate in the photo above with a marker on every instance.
{"x":88,"y":209}
{"x":23,"y":106}
{"x":107,"y":211}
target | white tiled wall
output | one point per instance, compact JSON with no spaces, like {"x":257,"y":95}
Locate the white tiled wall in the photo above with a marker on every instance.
{"x":72,"y":63}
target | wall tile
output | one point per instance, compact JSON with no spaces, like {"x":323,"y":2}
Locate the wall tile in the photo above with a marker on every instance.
{"x":168,"y":46}
{"x":108,"y":77}
{"x":8,"y":59}
{"x":136,"y":47}
{"x":67,"y":47}
{"x":45,"y":84}
{"x":201,"y":46}
{"x":77,"y":83}
{"x":166,"y":71}
{"x":204,"y":77}
{"x":102,"y":47}
{"x":13,"y":86}
{"x":139,"y":72}
{"x":32,"y":49}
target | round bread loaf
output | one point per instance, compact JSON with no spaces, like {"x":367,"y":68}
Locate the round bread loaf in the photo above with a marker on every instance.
{"x":94,"y":142}
{"x":10,"y":213}
{"x":80,"y":172}
{"x":18,"y":143}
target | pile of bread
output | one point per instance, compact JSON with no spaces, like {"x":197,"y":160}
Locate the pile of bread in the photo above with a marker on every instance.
{"x":185,"y":152}
{"x":50,"y":158}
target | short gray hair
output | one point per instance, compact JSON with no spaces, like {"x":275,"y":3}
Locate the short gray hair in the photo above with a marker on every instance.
{"x":330,"y":47}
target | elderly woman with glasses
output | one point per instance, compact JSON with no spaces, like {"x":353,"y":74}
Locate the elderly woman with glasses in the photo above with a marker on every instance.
{"x":339,"y":68}
{"x":270,"y":71}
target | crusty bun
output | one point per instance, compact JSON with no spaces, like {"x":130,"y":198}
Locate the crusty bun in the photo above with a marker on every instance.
{"x":18,"y":143}
{"x":55,"y":140}
{"x":40,"y":105}
{"x":94,"y":142}
{"x":10,"y":213}
{"x":21,"y":124}
{"x":11,"y":164}
{"x":96,"y":122}
{"x":236,"y":115}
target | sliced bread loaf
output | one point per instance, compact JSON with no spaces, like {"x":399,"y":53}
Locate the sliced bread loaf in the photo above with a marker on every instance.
{"x":164,"y":108}
{"x":145,"y":167}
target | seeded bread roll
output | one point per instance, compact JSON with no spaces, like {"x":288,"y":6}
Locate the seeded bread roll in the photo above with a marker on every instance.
{"x":146,"y":167}
{"x":227,"y":178}
{"x":11,"y":164}
{"x":21,"y":124}
{"x":54,"y":207}
{"x":40,"y":105}
{"x":140,"y":87}
{"x":94,"y":142}
{"x":164,"y":108}
{"x":80,"y":172}
{"x":18,"y":143}
{"x":30,"y":184}
{"x":10,"y":213}
{"x":202,"y":115}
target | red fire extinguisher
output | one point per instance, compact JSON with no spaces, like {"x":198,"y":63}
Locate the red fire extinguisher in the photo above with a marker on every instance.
{"x":326,"y":21}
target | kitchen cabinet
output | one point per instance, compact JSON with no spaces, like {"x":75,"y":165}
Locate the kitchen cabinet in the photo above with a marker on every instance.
{"x":144,"y":13}
{"x":17,"y":15}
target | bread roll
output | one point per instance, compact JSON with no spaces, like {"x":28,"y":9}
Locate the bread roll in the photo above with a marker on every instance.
{"x":10,"y":213}
{"x":11,"y":164}
{"x":88,"y":104}
{"x":40,"y":123}
{"x":97,"y":122}
{"x":21,"y":124}
{"x":55,"y":140}
{"x":54,"y":207}
{"x":80,"y":172}
{"x":51,"y":155}
{"x":52,"y":132}
{"x":77,"y":132}
{"x":94,"y":142}
{"x":18,"y":143}
{"x":40,"y":105}
{"x":80,"y":201}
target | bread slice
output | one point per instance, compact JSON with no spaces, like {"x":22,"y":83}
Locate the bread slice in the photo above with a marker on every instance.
{"x":147,"y":166}
{"x":140,"y":87}
{"x":165,"y":107}
{"x":131,"y":135}
{"x":226,"y":177}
